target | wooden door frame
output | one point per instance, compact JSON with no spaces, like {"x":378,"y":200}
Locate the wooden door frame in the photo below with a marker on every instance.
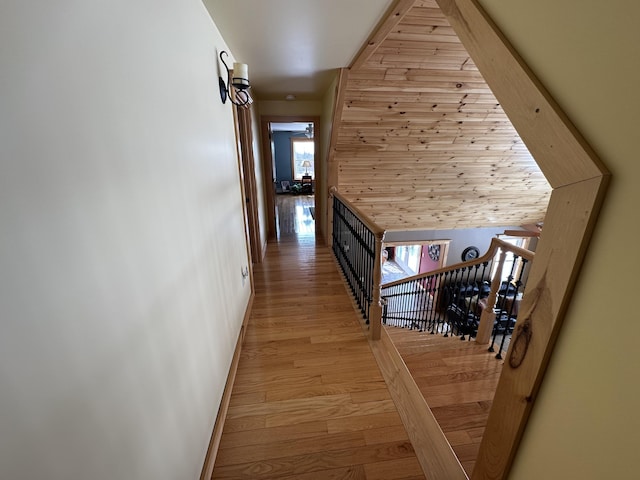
{"x":444,"y":253}
{"x":268,"y":163}
{"x":248,"y":174}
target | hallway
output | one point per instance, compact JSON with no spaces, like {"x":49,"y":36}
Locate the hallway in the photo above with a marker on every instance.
{"x":294,"y":217}
{"x":309,"y":401}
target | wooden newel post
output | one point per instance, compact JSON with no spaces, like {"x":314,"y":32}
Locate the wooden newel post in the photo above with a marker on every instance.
{"x":375,"y":311}
{"x":488,"y":316}
{"x":329,"y":233}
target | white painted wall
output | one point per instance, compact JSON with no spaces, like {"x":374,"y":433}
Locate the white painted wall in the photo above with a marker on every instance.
{"x":586,"y":422}
{"x":460,"y":239}
{"x":121,"y":239}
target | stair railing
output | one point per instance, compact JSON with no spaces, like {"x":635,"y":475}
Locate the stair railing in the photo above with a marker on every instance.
{"x":357,"y":246}
{"x":469,"y":299}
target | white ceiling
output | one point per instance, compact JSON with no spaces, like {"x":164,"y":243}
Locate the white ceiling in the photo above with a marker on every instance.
{"x":294,"y":46}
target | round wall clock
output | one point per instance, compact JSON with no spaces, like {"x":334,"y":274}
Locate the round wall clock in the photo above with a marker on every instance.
{"x":434,"y":252}
{"x":470,"y":253}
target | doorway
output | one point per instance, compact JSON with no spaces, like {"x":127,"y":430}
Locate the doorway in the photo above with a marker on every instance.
{"x":405,"y":259}
{"x":290,"y":152}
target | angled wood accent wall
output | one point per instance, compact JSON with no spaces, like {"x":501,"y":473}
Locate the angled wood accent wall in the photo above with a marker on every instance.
{"x":579,"y":181}
{"x":422,"y":142}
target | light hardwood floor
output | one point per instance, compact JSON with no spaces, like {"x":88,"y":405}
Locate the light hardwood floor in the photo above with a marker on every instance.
{"x":293,"y":216}
{"x":309,"y":401}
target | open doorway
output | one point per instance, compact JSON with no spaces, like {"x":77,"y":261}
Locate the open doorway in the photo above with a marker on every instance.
{"x":291,"y":153}
{"x":405,"y":259}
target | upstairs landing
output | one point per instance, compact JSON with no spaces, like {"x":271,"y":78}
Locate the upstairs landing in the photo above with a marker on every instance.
{"x":309,"y":401}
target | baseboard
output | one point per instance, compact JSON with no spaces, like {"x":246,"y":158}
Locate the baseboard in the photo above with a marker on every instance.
{"x":214,"y":443}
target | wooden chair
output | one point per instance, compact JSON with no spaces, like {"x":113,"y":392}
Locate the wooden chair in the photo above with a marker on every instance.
{"x":307,"y":184}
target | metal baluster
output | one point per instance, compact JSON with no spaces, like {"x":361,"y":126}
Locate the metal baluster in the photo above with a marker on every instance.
{"x":447,"y":296}
{"x":501,"y":308}
{"x":518,"y":284}
{"x":438,"y":317}
{"x":421,"y":311}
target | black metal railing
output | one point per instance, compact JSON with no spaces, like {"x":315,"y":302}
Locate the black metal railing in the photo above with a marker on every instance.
{"x":452,"y":301}
{"x":507,"y":305}
{"x":354,"y":246}
{"x":444,"y":302}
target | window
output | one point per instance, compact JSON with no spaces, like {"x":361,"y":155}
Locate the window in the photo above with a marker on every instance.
{"x":508,"y":261}
{"x":408,"y":257}
{"x":302,"y":150}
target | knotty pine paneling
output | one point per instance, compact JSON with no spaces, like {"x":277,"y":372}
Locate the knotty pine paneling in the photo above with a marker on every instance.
{"x":422,"y":142}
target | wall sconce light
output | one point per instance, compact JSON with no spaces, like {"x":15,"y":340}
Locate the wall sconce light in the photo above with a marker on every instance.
{"x":240,"y":83}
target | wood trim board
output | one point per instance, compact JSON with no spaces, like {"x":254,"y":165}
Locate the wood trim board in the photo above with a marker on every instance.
{"x":433,"y":451}
{"x":248,"y":174}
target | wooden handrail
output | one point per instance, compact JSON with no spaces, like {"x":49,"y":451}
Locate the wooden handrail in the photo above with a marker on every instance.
{"x":375,"y":312}
{"x":495,"y":244}
{"x":375,"y":309}
{"x":487,"y":316}
{"x":371,"y":225}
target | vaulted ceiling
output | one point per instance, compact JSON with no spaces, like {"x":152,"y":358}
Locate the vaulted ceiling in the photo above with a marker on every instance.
{"x":420,"y":140}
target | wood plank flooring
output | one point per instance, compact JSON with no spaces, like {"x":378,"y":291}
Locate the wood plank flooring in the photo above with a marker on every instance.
{"x":309,"y":401}
{"x":293,"y":216}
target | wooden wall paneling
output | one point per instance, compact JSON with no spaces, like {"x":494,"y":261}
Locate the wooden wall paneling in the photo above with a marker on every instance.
{"x":561,"y":152}
{"x":389,"y":21}
{"x":420,"y":124}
